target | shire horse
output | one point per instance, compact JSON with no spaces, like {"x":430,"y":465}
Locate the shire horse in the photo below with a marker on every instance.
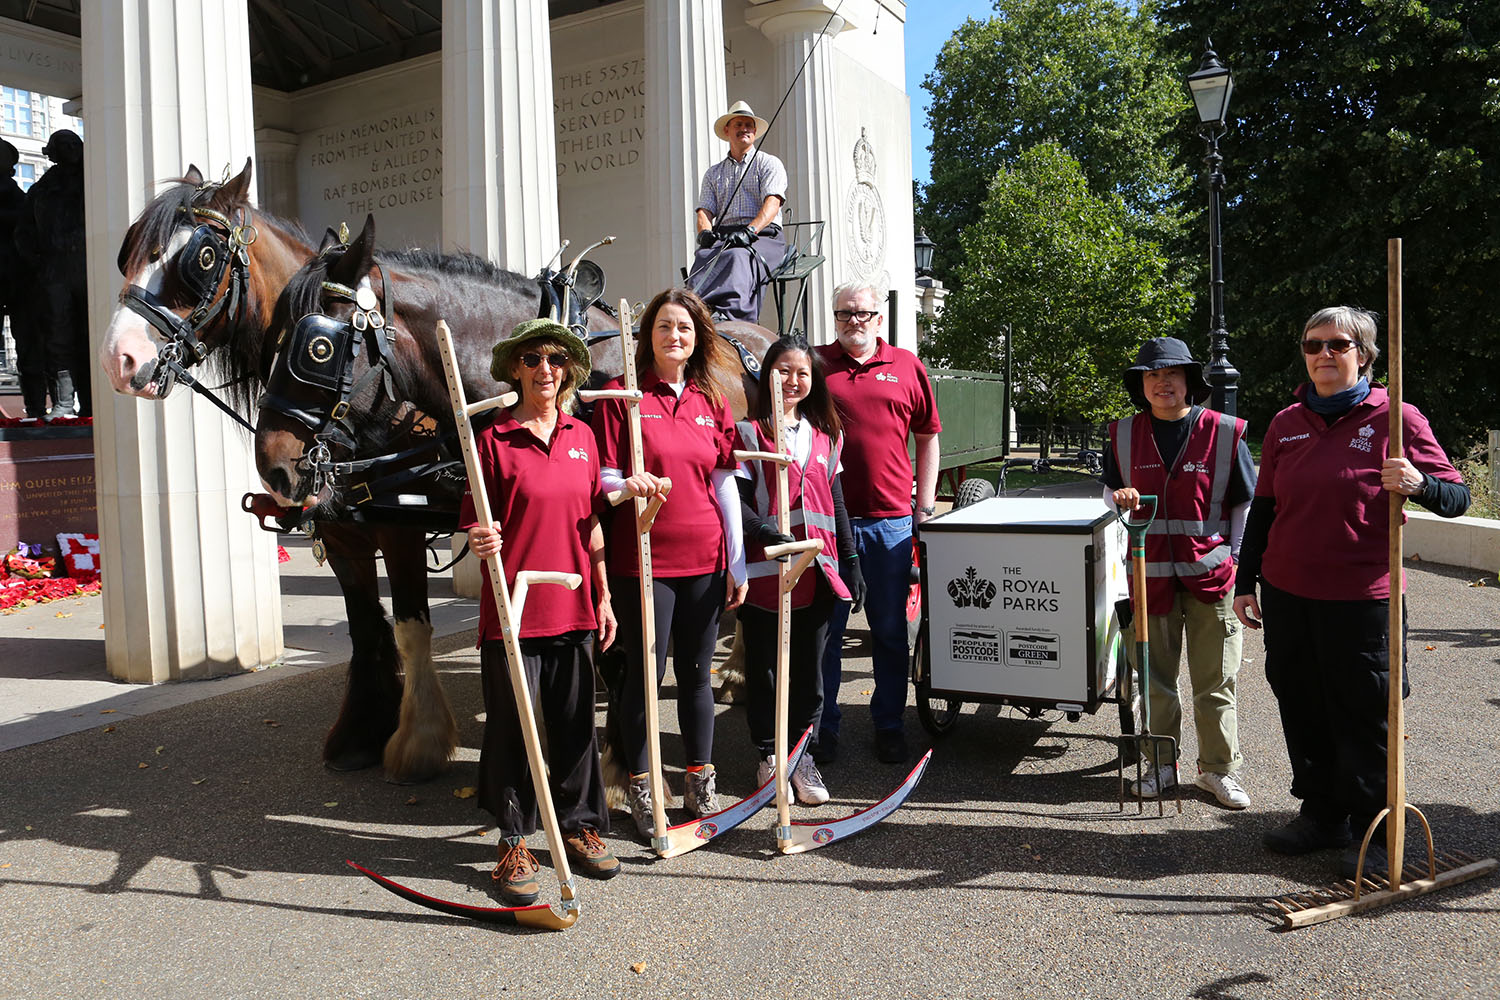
{"x":358,"y":374}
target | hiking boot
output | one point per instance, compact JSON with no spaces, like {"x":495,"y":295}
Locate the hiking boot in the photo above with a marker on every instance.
{"x":515,"y":875}
{"x":701,"y":798}
{"x":1304,"y":835}
{"x":592,"y":856}
{"x":1376,"y":862}
{"x":808,"y":783}
{"x":765,"y":771}
{"x":826,"y":750}
{"x":1224,"y":787}
{"x":890,"y":746}
{"x":1153,"y":783}
{"x":638,"y":796}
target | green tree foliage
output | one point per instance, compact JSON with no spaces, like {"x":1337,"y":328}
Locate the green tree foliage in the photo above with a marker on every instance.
{"x":1078,"y":288}
{"x":1085,"y":74}
{"x":1356,"y":121}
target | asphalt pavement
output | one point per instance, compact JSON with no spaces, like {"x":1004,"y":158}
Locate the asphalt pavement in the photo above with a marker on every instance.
{"x":195,"y":847}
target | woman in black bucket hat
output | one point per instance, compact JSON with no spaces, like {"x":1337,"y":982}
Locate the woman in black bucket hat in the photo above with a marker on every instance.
{"x":1196,"y":463}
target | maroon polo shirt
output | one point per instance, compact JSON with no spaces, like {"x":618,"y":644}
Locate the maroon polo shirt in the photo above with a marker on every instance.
{"x":881,"y":402}
{"x":543,"y":497}
{"x":685,"y":439}
{"x":1330,"y":538}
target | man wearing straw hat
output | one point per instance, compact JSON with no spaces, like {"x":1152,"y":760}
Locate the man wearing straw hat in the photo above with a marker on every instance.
{"x":738,"y":219}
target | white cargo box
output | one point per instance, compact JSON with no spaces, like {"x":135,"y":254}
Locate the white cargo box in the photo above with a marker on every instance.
{"x":1018,"y":601}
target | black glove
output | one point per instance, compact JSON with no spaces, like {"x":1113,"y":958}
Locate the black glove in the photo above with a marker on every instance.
{"x":741,"y":237}
{"x":706,"y":239}
{"x":766,"y":535}
{"x":855,"y":579}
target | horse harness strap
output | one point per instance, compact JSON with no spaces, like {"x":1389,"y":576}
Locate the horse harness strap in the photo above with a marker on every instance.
{"x":200,"y":267}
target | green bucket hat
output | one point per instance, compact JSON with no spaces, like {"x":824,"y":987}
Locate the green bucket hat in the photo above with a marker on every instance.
{"x":533,"y":330}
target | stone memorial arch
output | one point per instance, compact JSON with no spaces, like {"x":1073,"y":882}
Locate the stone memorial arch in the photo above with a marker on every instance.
{"x":497,"y":126}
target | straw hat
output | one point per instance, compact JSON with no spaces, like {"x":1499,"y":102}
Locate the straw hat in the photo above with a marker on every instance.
{"x":739,"y":109}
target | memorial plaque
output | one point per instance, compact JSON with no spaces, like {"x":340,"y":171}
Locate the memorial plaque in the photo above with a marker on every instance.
{"x":46,"y":484}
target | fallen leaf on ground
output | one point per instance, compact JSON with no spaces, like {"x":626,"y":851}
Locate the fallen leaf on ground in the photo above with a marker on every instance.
{"x":63,"y":614}
{"x":159,"y":750}
{"x":272,"y":723}
{"x":638,"y":967}
{"x":330,"y":805}
{"x":109,"y":729}
{"x":141,"y":765}
{"x":6,"y":865}
{"x":106,"y":711}
{"x":101,"y":626}
{"x":412,"y":801}
{"x":199,"y":781}
{"x":867,"y":692}
{"x":1429,"y":648}
{"x":466,"y":792}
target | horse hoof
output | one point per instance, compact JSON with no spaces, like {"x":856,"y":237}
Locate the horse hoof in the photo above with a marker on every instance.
{"x":352,"y":760}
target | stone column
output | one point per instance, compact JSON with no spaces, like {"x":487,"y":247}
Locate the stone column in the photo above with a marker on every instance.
{"x":190,"y":582}
{"x":499,"y":141}
{"x":684,"y":94}
{"x":806,"y":134}
{"x":499,"y":149}
{"x":276,"y":171}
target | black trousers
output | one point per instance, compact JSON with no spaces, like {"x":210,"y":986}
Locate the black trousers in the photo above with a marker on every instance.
{"x":687,"y":613}
{"x":560,"y":674}
{"x":804,"y":676}
{"x":1328,"y":665}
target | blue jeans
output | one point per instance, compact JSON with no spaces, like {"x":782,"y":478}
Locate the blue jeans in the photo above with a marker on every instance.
{"x":884,"y":545}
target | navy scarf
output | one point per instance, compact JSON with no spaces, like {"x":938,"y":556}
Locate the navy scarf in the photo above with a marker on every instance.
{"x":1339,"y":402}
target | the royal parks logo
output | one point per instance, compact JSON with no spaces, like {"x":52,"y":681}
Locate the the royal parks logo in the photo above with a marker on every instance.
{"x":578,"y":453}
{"x":1362,"y":440}
{"x":971,"y":590}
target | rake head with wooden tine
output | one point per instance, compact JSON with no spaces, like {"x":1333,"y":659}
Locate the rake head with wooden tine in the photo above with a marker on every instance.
{"x":1146,"y":744}
{"x":1402,"y":881}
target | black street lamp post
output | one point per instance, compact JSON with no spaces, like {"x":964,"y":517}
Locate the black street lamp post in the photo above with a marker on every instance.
{"x":1211,"y":85}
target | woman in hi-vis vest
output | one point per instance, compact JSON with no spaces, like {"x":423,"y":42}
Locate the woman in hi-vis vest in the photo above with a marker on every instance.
{"x":816,"y":509}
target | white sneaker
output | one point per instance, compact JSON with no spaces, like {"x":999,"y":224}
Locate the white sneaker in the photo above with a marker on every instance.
{"x":765,"y":771}
{"x":808,"y":783}
{"x":1225,"y":787}
{"x":1151,"y":785}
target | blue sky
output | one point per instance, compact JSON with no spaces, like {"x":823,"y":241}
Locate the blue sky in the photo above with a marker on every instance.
{"x":930,"y":23}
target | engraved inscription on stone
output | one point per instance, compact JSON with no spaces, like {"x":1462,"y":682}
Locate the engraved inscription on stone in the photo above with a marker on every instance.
{"x":864,"y":214}
{"x":389,"y":160}
{"x":600,"y":112}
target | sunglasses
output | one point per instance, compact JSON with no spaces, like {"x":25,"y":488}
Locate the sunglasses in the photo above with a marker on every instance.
{"x":1338,"y":345}
{"x":861,"y":315}
{"x":558,"y":361}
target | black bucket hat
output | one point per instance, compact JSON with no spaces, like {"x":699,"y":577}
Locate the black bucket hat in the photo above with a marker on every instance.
{"x":1164,"y":352}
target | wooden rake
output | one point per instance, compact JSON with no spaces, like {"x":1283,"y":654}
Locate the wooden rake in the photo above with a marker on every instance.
{"x":1403,"y":881}
{"x":510,"y":607}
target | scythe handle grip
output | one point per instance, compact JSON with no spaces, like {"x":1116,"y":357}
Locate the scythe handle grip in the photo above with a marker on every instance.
{"x":504,"y":401}
{"x":629,"y":395}
{"x":762,"y":456}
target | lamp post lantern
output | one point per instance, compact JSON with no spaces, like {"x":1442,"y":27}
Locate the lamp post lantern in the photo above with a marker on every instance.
{"x":1211,"y":85}
{"x":924,"y":248}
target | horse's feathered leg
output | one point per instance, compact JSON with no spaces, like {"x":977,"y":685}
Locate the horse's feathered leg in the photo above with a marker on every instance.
{"x":427,"y":735}
{"x":372,"y":696}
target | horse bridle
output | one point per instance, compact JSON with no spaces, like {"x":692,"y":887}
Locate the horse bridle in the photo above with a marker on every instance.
{"x":201,"y":264}
{"x":320,"y":353}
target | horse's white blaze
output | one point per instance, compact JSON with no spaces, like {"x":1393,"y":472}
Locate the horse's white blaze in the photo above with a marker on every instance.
{"x":129,"y":341}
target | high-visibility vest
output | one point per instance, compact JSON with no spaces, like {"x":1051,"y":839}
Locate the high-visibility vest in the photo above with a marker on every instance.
{"x":810,"y":493}
{"x":1188,"y":542}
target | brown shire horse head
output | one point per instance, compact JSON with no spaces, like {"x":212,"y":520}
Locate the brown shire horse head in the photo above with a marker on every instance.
{"x":201,"y":267}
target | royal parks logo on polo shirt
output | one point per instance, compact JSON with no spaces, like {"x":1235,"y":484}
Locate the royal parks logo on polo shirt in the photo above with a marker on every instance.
{"x":886,"y":377}
{"x":1361,"y":439}
{"x":1195,"y":467}
{"x":823,"y":461}
{"x":703,"y":420}
{"x":579,"y":453}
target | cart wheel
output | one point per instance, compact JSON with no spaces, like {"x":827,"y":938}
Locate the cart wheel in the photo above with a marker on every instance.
{"x":972,"y":491}
{"x":938,"y":714}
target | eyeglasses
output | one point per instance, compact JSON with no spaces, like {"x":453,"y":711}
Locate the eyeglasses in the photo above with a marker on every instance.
{"x":1338,"y":345}
{"x":858,"y":315}
{"x":531,"y":359}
